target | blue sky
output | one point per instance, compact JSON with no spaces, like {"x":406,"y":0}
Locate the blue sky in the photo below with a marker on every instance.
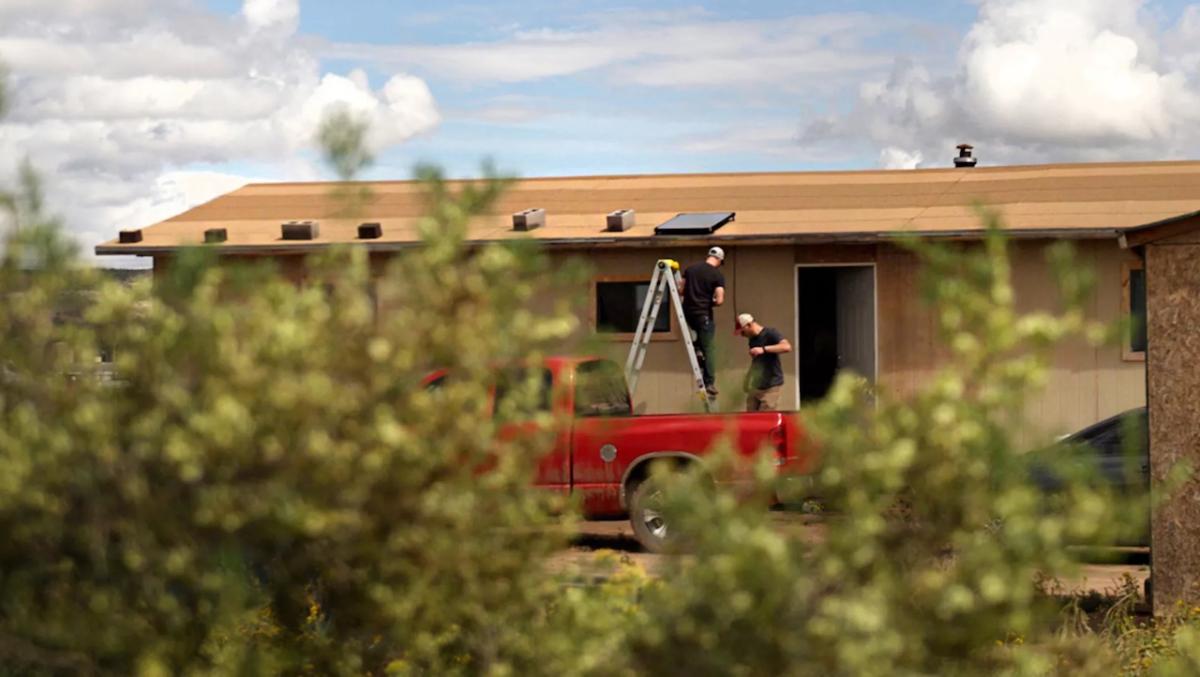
{"x":136,"y":110}
{"x":592,"y":121}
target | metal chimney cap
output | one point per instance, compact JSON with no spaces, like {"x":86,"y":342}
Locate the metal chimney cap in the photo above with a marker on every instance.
{"x":965,"y":159}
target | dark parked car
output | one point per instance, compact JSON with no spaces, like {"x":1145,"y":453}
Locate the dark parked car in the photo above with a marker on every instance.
{"x":1114,"y":452}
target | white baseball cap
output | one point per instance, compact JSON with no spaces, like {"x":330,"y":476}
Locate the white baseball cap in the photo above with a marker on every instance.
{"x":717,"y":253}
{"x":745,"y":320}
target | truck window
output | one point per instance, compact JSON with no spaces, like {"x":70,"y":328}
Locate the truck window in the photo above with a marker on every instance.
{"x":600,"y":390}
{"x":514,"y":403}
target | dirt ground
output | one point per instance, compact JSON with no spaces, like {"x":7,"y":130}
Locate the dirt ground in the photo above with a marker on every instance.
{"x":1102,"y":570}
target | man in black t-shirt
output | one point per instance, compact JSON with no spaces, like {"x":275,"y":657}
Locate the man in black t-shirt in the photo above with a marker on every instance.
{"x":702,"y":288}
{"x":764,"y":380}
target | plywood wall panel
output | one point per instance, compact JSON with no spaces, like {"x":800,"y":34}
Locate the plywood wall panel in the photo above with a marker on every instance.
{"x":1173,"y":307}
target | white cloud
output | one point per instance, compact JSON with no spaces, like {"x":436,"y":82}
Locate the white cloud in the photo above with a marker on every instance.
{"x":898,"y":158}
{"x":655,"y":49}
{"x":403,"y":104}
{"x":272,"y":14}
{"x":167,"y":87}
{"x":1046,"y":81}
{"x":1068,"y":70}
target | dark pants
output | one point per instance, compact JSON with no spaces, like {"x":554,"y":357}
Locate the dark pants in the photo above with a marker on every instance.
{"x":705,"y":333}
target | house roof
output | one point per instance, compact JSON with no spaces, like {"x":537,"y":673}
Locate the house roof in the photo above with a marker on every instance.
{"x":1066,"y":200}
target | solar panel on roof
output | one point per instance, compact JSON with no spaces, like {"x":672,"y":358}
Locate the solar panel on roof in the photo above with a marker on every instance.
{"x":694,"y":223}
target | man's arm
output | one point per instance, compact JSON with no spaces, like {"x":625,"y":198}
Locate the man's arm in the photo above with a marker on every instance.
{"x":779,"y":348}
{"x":682,"y":283}
{"x":719,"y":296}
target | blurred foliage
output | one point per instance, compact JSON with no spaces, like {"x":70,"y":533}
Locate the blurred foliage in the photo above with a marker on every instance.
{"x":342,"y":137}
{"x":260,"y":483}
{"x":927,"y":564}
{"x":265,"y":485}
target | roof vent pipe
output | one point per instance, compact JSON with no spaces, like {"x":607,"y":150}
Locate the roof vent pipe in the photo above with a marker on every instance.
{"x":620,"y":220}
{"x":300,"y":230}
{"x":529,"y":219}
{"x":965,"y":159}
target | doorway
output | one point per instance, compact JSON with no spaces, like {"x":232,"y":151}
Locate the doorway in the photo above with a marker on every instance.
{"x":835,"y":326}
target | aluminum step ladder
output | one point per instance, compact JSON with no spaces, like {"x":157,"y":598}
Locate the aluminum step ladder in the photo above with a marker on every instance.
{"x":664,"y":282}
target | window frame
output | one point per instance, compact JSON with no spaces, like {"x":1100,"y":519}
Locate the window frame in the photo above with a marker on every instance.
{"x":1128,"y":354}
{"x":670,"y":335}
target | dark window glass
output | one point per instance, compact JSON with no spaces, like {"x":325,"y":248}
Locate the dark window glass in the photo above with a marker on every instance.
{"x":619,"y":305}
{"x":600,"y":390}
{"x":1107,"y":440}
{"x":1137,"y":310}
{"x":1117,"y":435}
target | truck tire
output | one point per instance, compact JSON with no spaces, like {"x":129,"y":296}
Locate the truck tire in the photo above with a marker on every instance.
{"x":650,"y":527}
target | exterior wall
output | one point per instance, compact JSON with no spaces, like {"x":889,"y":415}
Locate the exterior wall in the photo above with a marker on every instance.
{"x":1086,"y":384}
{"x":760,"y":281}
{"x":1173,"y":311}
{"x":292,"y":267}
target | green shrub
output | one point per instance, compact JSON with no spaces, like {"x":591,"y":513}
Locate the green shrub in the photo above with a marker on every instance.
{"x":267,"y":485}
{"x":927,"y":564}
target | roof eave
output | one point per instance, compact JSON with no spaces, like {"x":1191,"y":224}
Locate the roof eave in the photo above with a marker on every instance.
{"x":867,"y":237}
{"x":1138,"y":236}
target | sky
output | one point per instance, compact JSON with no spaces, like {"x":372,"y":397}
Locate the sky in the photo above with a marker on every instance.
{"x":135,"y":110}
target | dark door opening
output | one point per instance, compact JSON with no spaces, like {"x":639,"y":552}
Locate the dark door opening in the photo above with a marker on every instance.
{"x":836,"y":326}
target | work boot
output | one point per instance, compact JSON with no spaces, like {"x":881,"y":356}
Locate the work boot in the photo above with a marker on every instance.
{"x":711,"y":389}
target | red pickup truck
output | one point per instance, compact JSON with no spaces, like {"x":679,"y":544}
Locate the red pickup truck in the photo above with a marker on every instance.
{"x":604,"y":455}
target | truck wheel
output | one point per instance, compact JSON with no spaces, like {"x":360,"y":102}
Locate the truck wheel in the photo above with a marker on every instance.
{"x":650,"y":526}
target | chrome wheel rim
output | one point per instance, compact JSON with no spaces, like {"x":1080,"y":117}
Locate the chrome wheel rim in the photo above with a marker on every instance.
{"x":653,"y":517}
{"x":655,"y":523}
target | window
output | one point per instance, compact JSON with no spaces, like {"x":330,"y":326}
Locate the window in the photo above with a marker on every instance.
{"x":520,"y":394}
{"x":619,"y":303}
{"x":600,"y":390}
{"x":1134,"y":302}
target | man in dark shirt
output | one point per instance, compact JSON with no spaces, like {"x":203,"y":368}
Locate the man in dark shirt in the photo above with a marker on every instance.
{"x":764,"y":380}
{"x":703,"y":288}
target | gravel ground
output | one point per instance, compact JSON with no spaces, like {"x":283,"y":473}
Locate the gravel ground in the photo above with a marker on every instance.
{"x":600,"y":542}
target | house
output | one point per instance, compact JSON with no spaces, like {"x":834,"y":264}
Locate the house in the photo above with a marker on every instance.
{"x":810,"y":253}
